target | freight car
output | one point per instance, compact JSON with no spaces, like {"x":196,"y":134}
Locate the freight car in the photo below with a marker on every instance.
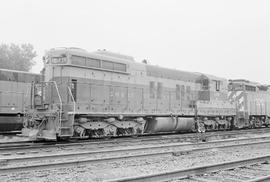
{"x":14,"y":97}
{"x":100,"y":94}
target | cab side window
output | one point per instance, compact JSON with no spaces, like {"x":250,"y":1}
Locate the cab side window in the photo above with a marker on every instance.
{"x":152,"y":89}
{"x":74,"y":89}
{"x":217,"y":85}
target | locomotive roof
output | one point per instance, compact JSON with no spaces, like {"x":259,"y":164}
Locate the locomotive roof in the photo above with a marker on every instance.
{"x":174,"y":74}
{"x":247,"y":82}
{"x":115,"y":55}
{"x":100,"y":54}
{"x":151,"y":70}
{"x":212,"y":77}
{"x":161,"y":72}
{"x":250,"y":83}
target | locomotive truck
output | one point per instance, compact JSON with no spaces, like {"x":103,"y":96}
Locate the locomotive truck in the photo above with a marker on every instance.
{"x":104,"y":94}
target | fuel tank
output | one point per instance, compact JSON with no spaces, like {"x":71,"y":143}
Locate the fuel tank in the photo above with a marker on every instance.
{"x":185,"y":124}
{"x":169,"y":124}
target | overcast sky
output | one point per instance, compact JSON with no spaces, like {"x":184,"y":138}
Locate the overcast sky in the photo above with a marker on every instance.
{"x":229,"y":38}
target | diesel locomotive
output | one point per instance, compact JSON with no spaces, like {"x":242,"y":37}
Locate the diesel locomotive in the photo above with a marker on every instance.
{"x":104,"y":94}
{"x":252,"y":102}
{"x":15,"y":89}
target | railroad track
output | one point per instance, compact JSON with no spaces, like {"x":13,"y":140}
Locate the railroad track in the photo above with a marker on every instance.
{"x":10,"y":132}
{"x":38,"y":162}
{"x":255,"y":169}
{"x":190,"y":137}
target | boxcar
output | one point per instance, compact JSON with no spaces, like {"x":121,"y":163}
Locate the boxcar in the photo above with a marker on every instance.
{"x":14,"y":97}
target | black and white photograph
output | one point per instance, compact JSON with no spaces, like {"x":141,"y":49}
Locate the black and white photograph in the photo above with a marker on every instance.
{"x":134,"y":90}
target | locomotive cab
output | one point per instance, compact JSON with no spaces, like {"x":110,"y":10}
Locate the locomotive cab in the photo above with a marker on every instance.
{"x":213,"y":109}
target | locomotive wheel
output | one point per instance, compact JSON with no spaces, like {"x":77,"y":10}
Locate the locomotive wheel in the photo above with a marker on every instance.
{"x":202,"y":128}
{"x":227,"y":126}
{"x":221,"y":127}
{"x":193,"y":128}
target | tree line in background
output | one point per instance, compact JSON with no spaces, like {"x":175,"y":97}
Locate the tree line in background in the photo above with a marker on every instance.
{"x":17,"y":56}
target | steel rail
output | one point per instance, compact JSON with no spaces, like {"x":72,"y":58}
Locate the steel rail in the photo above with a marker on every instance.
{"x":182,"y":174}
{"x":36,"y":145}
{"x":8,"y":133}
{"x":106,"y":159}
{"x":261,"y":179}
{"x":40,"y":146}
{"x":179,"y":152}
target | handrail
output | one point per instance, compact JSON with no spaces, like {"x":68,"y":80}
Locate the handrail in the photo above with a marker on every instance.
{"x":73,"y":100}
{"x":60,"y":100}
{"x":58,"y":93}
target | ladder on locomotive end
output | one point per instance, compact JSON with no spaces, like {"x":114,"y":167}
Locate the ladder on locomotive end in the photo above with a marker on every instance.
{"x":64,"y":127}
{"x":66,"y":120}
